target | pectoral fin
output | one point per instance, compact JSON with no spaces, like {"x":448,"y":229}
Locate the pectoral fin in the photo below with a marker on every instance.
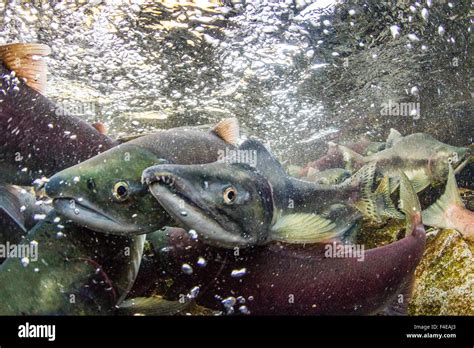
{"x":155,"y":306}
{"x":419,"y":179}
{"x":303,"y":228}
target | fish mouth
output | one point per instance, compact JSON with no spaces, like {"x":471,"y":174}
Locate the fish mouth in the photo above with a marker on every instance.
{"x":181,"y":200}
{"x":461,"y":165}
{"x":85,"y":214}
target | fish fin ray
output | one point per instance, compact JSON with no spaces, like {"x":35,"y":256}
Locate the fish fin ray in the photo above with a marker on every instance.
{"x":409,"y":202}
{"x":304,"y":228}
{"x":435,"y":215}
{"x":419,"y":180}
{"x":393,"y":137}
{"x":10,"y":204}
{"x":228,"y":130}
{"x":21,"y":58}
{"x":383,"y":192}
{"x":366,"y":204}
{"x":155,"y":305}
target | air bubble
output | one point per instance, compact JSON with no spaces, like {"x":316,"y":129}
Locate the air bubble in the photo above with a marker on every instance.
{"x":186,"y":268}
{"x":238,"y":273}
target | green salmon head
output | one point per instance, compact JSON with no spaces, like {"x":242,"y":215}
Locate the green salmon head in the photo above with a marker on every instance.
{"x":228,"y":205}
{"x":446,"y":155}
{"x":105,"y":193}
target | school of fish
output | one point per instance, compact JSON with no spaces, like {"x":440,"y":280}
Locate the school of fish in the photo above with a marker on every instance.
{"x":217,"y":221}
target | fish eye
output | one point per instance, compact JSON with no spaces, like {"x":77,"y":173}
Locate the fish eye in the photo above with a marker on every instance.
{"x":120,"y":191}
{"x":91,"y":184}
{"x":230,"y":195}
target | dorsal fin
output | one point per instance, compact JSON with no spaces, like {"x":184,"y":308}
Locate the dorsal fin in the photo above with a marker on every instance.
{"x":101,"y":128}
{"x":393,"y":136}
{"x":228,"y":130}
{"x":26,"y":61}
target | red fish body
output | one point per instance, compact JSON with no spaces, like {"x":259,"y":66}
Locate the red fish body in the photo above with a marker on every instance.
{"x":295,"y":279}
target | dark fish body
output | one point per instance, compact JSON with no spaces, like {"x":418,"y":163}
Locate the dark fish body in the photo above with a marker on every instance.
{"x":38,"y":139}
{"x":295,"y":279}
{"x":93,"y":185}
{"x":76,"y":272}
{"x":264,"y":205}
{"x":72,"y":260}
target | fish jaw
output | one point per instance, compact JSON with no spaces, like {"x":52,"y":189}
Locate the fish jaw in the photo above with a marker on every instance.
{"x":91,"y":184}
{"x":89,"y":216}
{"x":180,"y":200}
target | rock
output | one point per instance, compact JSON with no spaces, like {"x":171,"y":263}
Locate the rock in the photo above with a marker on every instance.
{"x":444,"y":282}
{"x":374,"y":235}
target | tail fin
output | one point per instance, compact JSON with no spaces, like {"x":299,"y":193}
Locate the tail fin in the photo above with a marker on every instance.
{"x":352,"y":159}
{"x":25,"y":60}
{"x":364,"y":179}
{"x":409,"y":203}
{"x":385,"y":206}
{"x":435,"y":215}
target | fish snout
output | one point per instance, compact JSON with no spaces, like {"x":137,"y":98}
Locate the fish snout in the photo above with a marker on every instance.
{"x":54,"y":186}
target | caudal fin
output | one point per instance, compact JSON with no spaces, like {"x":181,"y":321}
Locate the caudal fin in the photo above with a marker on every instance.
{"x":435,"y":215}
{"x":25,"y":59}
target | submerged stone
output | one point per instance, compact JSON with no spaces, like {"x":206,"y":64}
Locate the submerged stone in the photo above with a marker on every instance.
{"x":444,"y":282}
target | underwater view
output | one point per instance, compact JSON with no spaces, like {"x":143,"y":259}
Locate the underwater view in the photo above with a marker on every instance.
{"x":236,"y":157}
